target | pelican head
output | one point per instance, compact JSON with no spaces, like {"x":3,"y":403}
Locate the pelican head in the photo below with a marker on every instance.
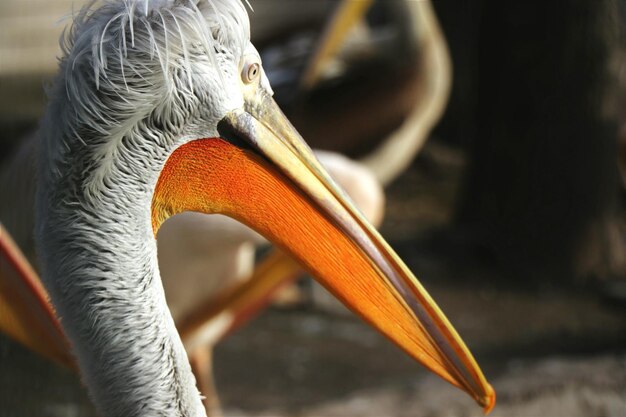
{"x":162,"y":107}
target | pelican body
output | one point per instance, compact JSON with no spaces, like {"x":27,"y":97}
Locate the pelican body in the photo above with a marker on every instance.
{"x":162,"y":107}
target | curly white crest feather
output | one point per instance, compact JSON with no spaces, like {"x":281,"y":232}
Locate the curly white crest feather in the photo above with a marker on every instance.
{"x":126,"y":61}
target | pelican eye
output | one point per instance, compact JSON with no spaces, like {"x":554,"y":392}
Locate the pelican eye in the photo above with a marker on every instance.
{"x":251,"y":72}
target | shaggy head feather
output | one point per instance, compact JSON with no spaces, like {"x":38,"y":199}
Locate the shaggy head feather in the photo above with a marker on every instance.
{"x":129,"y":66}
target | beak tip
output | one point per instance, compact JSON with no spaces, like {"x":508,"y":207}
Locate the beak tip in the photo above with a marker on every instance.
{"x":489,"y":400}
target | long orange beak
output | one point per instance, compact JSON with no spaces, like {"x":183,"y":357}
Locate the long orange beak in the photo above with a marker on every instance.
{"x":262,"y":173}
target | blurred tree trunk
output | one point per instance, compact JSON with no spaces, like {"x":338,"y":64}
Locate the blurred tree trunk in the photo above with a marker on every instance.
{"x":542,"y":183}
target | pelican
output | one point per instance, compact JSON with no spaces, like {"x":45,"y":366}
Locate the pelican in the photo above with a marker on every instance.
{"x":386,"y":162}
{"x":186,"y":122}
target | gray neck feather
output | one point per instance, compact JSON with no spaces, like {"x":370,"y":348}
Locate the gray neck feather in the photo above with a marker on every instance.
{"x":101,"y":270}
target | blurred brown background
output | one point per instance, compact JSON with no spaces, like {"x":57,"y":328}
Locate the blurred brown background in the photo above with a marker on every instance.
{"x":512,"y":215}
